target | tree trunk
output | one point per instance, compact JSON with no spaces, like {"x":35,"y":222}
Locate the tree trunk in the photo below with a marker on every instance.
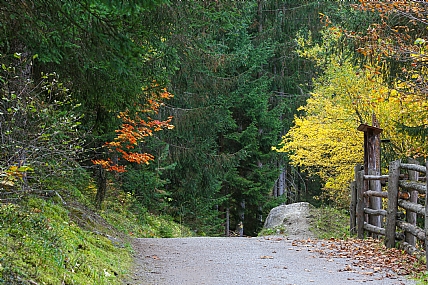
{"x":227,"y":225}
{"x":102,"y":186}
{"x":240,"y":228}
{"x":280,"y":185}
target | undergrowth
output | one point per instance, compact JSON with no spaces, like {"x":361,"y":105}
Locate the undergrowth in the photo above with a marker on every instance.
{"x":130,"y":218}
{"x":328,"y":222}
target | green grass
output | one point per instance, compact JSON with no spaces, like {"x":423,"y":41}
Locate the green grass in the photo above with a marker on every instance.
{"x":279,"y":230}
{"x":133,"y":220}
{"x":39,"y":243}
{"x":43,"y":241}
{"x":328,"y":222}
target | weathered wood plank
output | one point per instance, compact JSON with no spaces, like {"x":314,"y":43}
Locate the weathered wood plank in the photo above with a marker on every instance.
{"x":414,"y":167}
{"x":411,"y":216}
{"x":374,"y":229}
{"x":426,"y":220}
{"x":353,"y":207}
{"x":414,"y":230}
{"x":410,"y":249}
{"x":413,"y":186}
{"x":376,"y":193}
{"x":374,"y":201}
{"x":394,"y":173}
{"x":384,"y":194}
{"x":379,"y":212}
{"x":417,"y":208}
{"x":360,"y":204}
{"x":376,"y":177}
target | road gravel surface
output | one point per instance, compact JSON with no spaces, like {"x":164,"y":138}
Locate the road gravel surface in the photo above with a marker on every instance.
{"x":270,"y":260}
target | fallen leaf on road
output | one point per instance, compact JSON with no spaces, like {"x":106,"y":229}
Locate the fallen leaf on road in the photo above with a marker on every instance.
{"x":369,"y":255}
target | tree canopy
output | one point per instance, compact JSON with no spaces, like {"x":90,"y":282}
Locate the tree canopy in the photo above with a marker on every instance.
{"x":92,"y":82}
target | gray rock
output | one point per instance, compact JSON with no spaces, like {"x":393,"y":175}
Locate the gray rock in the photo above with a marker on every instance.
{"x":294,"y":218}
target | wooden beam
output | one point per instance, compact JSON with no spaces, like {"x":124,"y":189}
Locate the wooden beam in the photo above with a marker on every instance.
{"x":414,"y":230}
{"x":376,"y":177}
{"x":394,"y":172}
{"x":414,"y":193}
{"x":379,"y":212}
{"x":374,"y":229}
{"x":426,"y":221}
{"x":413,"y":185}
{"x":414,"y":167}
{"x":417,"y":208}
{"x":360,"y":204}
{"x":353,"y":206}
{"x":376,"y":193}
{"x":410,"y":249}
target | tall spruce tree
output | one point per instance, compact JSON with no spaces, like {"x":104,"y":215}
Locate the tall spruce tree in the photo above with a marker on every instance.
{"x":225,"y":116}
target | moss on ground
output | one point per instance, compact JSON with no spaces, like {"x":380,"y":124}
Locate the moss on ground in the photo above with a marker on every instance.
{"x":65,"y":241}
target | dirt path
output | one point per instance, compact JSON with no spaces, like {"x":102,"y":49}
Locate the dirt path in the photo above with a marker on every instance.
{"x":264,"y":260}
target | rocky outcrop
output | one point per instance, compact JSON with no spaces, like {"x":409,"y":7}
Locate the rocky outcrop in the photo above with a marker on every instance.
{"x":293,"y":220}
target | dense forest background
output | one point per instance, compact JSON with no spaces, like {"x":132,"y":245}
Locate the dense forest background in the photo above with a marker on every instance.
{"x":211,"y":112}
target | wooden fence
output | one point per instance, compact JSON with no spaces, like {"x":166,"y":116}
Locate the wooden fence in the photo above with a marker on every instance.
{"x":406,"y":206}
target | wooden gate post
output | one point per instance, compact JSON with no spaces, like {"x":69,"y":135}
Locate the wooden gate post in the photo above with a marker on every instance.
{"x":391,"y":212}
{"x":353,"y":209}
{"x":354,"y":199}
{"x":410,"y":215}
{"x":360,"y":203}
{"x":372,"y":165}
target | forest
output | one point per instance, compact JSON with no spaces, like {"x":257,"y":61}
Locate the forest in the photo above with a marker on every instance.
{"x":209,"y":113}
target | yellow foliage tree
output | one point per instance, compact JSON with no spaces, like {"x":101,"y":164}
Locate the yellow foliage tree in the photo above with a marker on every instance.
{"x":324,"y":139}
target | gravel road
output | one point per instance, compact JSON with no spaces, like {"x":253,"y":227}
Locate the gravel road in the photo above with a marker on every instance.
{"x":262,"y":260}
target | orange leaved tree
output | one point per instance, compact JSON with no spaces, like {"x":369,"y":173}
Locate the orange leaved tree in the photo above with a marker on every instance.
{"x":135,"y":127}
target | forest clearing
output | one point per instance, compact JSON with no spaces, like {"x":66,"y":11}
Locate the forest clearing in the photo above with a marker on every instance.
{"x":176,"y":119}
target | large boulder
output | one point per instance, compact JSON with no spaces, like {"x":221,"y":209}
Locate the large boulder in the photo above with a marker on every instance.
{"x":293,"y":219}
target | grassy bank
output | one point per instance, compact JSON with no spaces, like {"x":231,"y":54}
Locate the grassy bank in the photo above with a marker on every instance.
{"x":65,"y":241}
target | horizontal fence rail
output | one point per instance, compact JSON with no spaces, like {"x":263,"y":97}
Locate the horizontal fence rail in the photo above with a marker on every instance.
{"x":405,"y":200}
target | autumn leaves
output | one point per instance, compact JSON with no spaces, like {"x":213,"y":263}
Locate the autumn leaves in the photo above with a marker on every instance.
{"x":135,"y":127}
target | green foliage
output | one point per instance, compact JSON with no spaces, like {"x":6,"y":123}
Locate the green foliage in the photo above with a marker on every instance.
{"x":40,"y":243}
{"x":40,"y":123}
{"x":278,"y":230}
{"x":328,"y":222}
{"x":101,"y":48}
{"x":62,"y":240}
{"x":147,"y":183}
{"x":128,"y":216}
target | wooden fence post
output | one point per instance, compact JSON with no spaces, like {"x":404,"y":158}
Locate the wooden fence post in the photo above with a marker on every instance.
{"x":426,"y":216}
{"x":391,"y":215}
{"x":410,"y":215}
{"x":353,"y":209}
{"x":353,"y":204}
{"x":372,"y":166}
{"x":375,"y":202}
{"x":360,"y":203}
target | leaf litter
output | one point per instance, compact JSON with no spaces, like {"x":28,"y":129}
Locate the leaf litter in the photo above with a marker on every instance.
{"x":366,"y":256}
